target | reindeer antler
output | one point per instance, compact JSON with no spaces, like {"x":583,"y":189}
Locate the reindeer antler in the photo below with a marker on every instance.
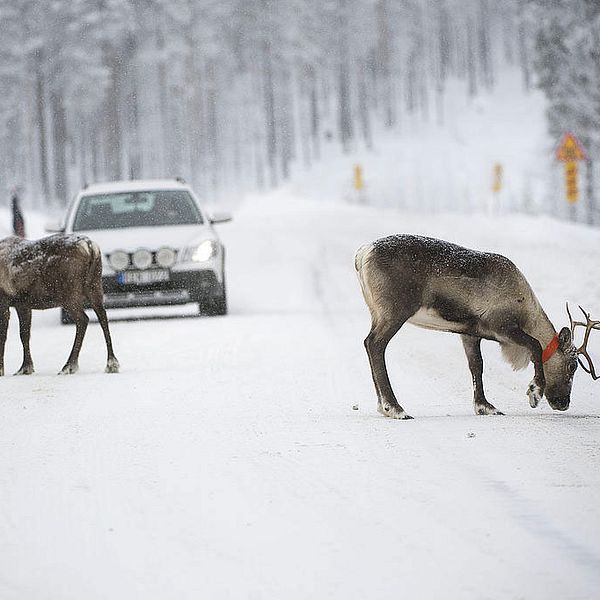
{"x":589,"y":325}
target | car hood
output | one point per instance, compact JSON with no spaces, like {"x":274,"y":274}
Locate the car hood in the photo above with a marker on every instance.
{"x":151,"y":238}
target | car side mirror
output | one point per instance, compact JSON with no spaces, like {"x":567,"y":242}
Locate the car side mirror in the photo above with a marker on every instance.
{"x":54,"y":226}
{"x":220,"y":217}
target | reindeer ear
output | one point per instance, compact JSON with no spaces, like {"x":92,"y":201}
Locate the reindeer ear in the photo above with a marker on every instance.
{"x":564,"y":338}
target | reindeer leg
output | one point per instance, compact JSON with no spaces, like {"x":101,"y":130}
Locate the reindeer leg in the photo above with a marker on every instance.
{"x":81,"y":323}
{"x":375,"y":344}
{"x":112,"y":364}
{"x":536,"y":388}
{"x":472,"y":346}
{"x":4,"y":318}
{"x":25,"y":333}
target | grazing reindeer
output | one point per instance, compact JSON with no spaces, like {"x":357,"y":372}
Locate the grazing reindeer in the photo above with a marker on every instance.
{"x":438,"y":285}
{"x":56,"y":271}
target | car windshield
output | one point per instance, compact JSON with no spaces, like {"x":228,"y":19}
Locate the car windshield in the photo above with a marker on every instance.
{"x":136,"y":209}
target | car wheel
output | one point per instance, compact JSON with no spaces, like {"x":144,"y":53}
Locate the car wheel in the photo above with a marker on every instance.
{"x":65,"y":318}
{"x":216,"y":306}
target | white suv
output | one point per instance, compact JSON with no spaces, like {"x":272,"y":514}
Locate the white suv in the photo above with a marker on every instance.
{"x":158,"y":245}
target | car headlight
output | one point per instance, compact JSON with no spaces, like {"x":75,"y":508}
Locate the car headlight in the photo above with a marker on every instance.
{"x":118,"y":260}
{"x":165,"y":257}
{"x":205,"y":251}
{"x":142,"y":258}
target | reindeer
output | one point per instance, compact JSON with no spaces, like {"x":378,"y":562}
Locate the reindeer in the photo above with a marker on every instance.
{"x":56,"y":271}
{"x":442,"y":286}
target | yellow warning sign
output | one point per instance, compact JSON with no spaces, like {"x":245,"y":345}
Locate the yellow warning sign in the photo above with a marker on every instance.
{"x":570,"y":149}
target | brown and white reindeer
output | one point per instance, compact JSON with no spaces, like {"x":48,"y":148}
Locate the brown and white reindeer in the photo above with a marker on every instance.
{"x":56,"y":271}
{"x":442,"y":286}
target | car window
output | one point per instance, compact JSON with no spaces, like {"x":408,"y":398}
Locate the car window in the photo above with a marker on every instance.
{"x":136,"y":209}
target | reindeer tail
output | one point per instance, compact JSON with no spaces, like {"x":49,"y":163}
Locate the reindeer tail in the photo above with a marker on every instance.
{"x":94,"y":272}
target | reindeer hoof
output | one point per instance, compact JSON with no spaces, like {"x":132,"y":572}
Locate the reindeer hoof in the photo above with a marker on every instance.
{"x":69,"y":370}
{"x":25,"y":370}
{"x":535,"y":394}
{"x":112,"y":366}
{"x":393,"y":412}
{"x":486,"y":409}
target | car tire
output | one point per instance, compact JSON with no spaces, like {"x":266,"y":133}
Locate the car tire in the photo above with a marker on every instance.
{"x":65,"y":318}
{"x":216,"y":306}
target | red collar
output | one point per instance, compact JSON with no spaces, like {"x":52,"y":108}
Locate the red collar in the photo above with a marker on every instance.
{"x":550,"y":349}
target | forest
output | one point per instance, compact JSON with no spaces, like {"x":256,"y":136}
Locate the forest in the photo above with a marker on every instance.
{"x":236,"y":94}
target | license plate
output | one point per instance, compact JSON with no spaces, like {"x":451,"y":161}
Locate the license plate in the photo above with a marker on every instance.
{"x":143,"y":277}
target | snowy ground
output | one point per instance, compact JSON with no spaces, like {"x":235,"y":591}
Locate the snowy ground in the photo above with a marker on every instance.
{"x":226,"y":461}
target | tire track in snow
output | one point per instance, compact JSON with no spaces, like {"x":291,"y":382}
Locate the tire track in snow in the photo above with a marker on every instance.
{"x":522,"y":510}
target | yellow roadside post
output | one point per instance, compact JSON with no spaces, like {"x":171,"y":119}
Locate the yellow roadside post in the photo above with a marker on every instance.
{"x":498,"y":173}
{"x":358,"y":181}
{"x":570,"y":151}
{"x":571,"y":181}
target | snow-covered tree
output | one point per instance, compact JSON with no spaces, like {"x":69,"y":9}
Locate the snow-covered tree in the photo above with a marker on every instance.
{"x":234,"y":94}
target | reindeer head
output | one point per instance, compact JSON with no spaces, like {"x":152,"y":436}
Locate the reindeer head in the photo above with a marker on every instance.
{"x":560,"y":369}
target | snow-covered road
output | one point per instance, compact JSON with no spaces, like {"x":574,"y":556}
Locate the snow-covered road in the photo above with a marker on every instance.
{"x":226,"y":460}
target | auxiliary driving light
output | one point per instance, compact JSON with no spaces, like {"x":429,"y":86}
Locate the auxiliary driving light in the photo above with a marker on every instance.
{"x":165,"y":257}
{"x":119,"y":260}
{"x":141,"y":258}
